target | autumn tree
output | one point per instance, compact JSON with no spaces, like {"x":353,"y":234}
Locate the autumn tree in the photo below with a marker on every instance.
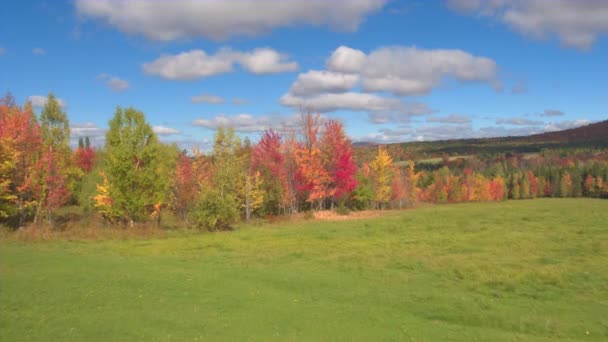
{"x":565,"y":185}
{"x":315,"y":180}
{"x":337,"y":158}
{"x":84,"y":156}
{"x":411,"y":179}
{"x":184,"y":187}
{"x":21,"y":150}
{"x":268,"y":159}
{"x":381,"y":168}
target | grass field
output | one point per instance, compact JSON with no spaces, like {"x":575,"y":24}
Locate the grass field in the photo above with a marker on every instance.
{"x":515,"y":271}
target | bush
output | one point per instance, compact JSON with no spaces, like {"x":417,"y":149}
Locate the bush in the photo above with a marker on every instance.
{"x":215,"y":211}
{"x":342,"y":209}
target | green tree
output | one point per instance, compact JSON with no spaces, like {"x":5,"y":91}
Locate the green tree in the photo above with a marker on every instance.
{"x":134,"y":184}
{"x":55,"y":127}
{"x":219,"y":204}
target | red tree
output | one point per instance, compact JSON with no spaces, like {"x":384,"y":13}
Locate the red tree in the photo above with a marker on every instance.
{"x":338,"y":160}
{"x":184,"y":186}
{"x":268,"y":159}
{"x":84,"y":157}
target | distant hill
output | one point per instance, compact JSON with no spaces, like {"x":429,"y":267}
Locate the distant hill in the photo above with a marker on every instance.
{"x":592,"y":132}
{"x":594,"y":135}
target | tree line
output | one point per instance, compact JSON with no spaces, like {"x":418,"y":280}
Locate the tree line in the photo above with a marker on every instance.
{"x":135,"y":178}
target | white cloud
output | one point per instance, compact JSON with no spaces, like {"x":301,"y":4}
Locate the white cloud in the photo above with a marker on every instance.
{"x":220,"y":19}
{"x":464,"y":131}
{"x":413,"y":71}
{"x":443,"y":132}
{"x":189,"y":65}
{"x":239,"y":101}
{"x":197,"y":64}
{"x":399,"y":70}
{"x":315,"y":82}
{"x":97,"y":135}
{"x":558,"y":126}
{"x":40,"y":100}
{"x":355,"y":102}
{"x":38,"y":51}
{"x":379,"y":109}
{"x":452,"y":118}
{"x":163,"y":130}
{"x":207,"y":98}
{"x":265,"y":61}
{"x":114,"y":83}
{"x":576,"y":23}
{"x":347,"y":60}
{"x":248,"y":123}
{"x":552,"y":112}
{"x":86,"y":129}
{"x":518,"y":122}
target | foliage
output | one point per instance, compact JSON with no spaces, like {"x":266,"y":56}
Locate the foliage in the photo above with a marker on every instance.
{"x":382,"y":176}
{"x":219,"y":203}
{"x":132,"y":184}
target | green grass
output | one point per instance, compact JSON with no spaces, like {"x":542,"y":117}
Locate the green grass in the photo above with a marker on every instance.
{"x":514,"y":271}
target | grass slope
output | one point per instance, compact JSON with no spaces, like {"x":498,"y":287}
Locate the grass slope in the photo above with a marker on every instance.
{"x":520,"y":270}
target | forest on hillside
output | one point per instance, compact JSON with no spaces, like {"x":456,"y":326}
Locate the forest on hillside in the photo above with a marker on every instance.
{"x":136,"y":179}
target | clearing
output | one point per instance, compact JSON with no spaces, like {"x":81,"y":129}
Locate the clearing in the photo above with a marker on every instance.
{"x":532,"y":270}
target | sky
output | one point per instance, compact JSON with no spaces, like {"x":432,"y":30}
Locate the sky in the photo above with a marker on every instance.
{"x":391,"y":71}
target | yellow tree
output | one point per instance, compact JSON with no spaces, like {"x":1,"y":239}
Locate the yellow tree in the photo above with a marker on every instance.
{"x":381,"y":168}
{"x":412,"y":177}
{"x":253,"y":193}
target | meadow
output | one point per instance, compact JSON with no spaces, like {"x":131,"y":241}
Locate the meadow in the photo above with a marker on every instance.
{"x":528,"y":270}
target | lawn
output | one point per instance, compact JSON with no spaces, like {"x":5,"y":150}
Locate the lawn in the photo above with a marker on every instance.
{"x":532,"y":270}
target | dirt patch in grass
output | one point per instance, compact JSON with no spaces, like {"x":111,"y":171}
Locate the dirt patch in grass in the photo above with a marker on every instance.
{"x":327,"y":215}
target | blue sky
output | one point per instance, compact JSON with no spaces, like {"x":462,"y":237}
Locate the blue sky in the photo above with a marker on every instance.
{"x":390,"y":70}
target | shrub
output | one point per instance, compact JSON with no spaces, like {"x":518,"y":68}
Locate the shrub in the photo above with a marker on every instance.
{"x":215,"y":211}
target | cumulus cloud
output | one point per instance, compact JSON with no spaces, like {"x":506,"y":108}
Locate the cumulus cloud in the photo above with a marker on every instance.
{"x":315,"y":82}
{"x":399,"y":70}
{"x":576,"y":23}
{"x":221,"y":20}
{"x":114,"y":83}
{"x":552,"y":112}
{"x":86,"y":129}
{"x":163,"y":130}
{"x":189,"y":65}
{"x":264,"y":61}
{"x":518,"y":122}
{"x":384,"y":107}
{"x":452,"y":119}
{"x":247,"y":123}
{"x":346,"y":60}
{"x":39,"y":101}
{"x":413,"y":71}
{"x":207,"y":98}
{"x":196,"y":64}
{"x":38,"y":51}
